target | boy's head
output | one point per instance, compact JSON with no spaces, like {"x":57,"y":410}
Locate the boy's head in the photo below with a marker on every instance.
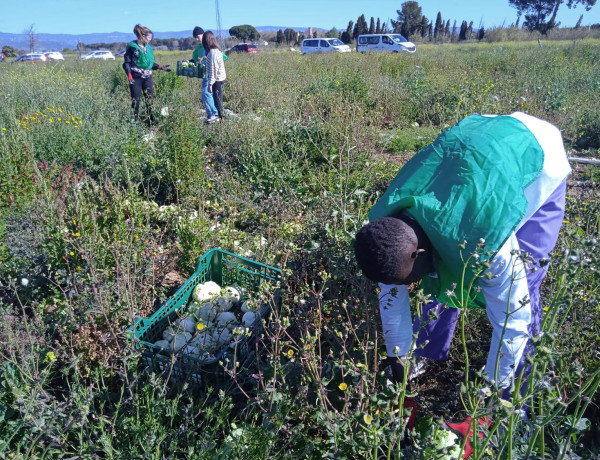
{"x":393,"y":250}
{"x":197,"y":33}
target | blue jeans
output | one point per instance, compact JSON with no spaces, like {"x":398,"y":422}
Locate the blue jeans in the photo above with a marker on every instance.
{"x":208,"y":101}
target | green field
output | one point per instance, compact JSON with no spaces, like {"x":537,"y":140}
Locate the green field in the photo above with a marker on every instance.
{"x":102,"y":219}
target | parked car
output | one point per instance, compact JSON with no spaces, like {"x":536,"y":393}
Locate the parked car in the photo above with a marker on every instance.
{"x":100,"y":54}
{"x":54,"y":56}
{"x":243,"y":48}
{"x":31,"y":57}
{"x":384,"y":43}
{"x":324,"y":45}
{"x":120,"y":53}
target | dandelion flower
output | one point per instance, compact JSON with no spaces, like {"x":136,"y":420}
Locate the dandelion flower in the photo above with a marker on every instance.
{"x":200,"y":326}
{"x":71,"y":253}
{"x":367,"y":419}
{"x":343,"y":386}
{"x":290,"y":353}
{"x":77,"y":234}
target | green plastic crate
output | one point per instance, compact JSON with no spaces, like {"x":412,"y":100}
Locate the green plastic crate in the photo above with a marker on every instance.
{"x":225,"y":269}
{"x":196,"y":71}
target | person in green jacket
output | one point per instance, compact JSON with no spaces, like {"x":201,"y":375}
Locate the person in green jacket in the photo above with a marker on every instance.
{"x":493,"y":186}
{"x":139,"y":64}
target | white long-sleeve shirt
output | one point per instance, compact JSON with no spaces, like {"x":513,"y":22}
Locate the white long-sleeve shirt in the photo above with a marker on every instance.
{"x":504,"y":292}
{"x":215,"y":66}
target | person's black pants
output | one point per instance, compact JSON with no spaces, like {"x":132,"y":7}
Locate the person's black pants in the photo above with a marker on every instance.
{"x":217,"y":89}
{"x":138,"y":87}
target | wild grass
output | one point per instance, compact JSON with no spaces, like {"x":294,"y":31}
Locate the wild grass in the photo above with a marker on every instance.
{"x":98,"y":216}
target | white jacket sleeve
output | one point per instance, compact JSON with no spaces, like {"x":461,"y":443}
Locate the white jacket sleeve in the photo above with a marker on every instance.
{"x":509,"y":315}
{"x":210,"y":72}
{"x":396,"y":319}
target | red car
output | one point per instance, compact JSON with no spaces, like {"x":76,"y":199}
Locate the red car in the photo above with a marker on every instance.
{"x":243,"y":48}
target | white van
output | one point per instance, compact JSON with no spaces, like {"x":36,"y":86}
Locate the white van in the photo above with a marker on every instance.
{"x":384,"y":43}
{"x":324,"y":45}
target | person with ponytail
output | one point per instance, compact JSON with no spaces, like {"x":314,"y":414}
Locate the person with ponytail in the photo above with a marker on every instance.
{"x":139,"y":64}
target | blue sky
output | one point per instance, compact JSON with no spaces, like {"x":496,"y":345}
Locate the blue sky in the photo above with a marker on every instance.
{"x":77,"y":17}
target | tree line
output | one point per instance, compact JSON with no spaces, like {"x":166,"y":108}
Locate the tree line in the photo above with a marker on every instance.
{"x":412,"y":24}
{"x":537,"y":15}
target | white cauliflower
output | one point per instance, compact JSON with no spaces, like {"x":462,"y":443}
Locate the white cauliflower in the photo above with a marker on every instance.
{"x":164,"y":344}
{"x":206,"y":291}
{"x":221,"y":337}
{"x":249,"y":318}
{"x":226,"y":319}
{"x":181,"y":339}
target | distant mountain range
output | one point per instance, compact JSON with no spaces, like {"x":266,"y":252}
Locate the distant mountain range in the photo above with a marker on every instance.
{"x":47,"y":42}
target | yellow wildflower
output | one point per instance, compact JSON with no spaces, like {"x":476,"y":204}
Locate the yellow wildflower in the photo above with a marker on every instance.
{"x":343,"y":386}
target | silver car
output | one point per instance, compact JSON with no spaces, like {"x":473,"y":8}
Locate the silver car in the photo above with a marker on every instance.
{"x":100,"y":54}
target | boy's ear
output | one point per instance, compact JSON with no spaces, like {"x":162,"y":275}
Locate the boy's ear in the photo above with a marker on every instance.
{"x":417,"y":253}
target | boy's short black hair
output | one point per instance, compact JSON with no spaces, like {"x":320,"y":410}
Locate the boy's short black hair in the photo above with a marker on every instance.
{"x":383,"y":249}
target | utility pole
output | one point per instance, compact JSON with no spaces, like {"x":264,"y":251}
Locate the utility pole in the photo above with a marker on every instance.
{"x":219,"y":36}
{"x":32,"y":37}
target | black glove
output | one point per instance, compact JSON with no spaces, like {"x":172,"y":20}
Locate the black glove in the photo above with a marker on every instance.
{"x":166,"y":68}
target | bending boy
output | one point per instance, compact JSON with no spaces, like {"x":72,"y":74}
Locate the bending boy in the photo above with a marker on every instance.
{"x":500,"y":179}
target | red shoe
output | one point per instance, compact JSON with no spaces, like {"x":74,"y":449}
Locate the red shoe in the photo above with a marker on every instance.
{"x":410,"y":412}
{"x":467,"y":427}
